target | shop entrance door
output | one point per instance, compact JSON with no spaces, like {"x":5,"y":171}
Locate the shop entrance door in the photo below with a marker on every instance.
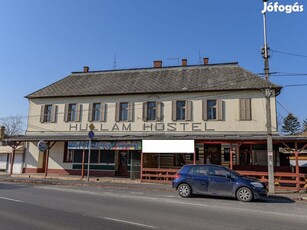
{"x":123,"y":164}
{"x":212,"y":154}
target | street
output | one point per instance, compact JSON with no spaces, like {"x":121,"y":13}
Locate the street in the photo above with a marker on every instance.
{"x":26,"y":206}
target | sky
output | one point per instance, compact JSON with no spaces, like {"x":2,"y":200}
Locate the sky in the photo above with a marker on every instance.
{"x":43,"y":41}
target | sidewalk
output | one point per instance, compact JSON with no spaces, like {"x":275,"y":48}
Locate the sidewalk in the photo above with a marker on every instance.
{"x":72,"y":180}
{"x":113,"y":182}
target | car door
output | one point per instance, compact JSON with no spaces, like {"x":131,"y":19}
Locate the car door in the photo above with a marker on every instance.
{"x":198,"y":179}
{"x":219,"y":183}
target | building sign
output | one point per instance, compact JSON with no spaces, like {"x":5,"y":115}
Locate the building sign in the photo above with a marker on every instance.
{"x":106,"y":145}
{"x":146,"y":127}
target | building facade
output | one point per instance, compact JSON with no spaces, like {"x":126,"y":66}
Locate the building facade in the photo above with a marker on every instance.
{"x":217,"y":106}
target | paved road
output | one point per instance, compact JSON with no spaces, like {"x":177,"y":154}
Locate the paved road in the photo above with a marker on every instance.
{"x":54,"y":207}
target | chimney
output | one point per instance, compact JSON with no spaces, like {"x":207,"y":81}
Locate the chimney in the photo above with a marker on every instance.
{"x":86,"y":69}
{"x":206,"y":61}
{"x":2,"y":130}
{"x":157,"y":64}
{"x":184,"y":62}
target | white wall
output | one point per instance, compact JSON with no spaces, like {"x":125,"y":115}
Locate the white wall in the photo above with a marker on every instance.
{"x":230,"y":124}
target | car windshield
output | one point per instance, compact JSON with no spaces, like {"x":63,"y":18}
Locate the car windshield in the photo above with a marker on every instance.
{"x":234,"y":172}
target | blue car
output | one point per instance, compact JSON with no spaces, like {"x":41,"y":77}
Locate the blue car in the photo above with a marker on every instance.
{"x":217,"y":180}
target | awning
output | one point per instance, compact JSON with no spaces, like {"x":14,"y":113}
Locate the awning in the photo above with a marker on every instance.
{"x":168,"y":146}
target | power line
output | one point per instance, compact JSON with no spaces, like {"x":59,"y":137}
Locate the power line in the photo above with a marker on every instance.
{"x":290,"y":54}
{"x":280,"y":74}
{"x":282,"y":106}
{"x":295,"y":85}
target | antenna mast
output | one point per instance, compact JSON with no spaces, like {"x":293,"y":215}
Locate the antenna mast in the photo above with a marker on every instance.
{"x":114,"y":63}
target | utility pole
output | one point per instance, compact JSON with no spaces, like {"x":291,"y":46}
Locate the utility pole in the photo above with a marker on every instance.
{"x":268,"y":92}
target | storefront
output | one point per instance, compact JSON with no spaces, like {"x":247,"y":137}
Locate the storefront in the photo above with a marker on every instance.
{"x":113,"y":158}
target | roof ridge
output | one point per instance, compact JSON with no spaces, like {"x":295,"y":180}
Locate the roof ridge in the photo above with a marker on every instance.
{"x":157,"y":69}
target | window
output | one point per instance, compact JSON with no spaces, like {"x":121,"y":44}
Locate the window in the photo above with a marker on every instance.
{"x":180,"y":110}
{"x":123,"y":111}
{"x":48,"y":113}
{"x":151,"y":111}
{"x":94,"y":156}
{"x":217,"y":171}
{"x":211,"y":109}
{"x":97,"y":156}
{"x":245,"y":109}
{"x":78,"y":153}
{"x":72,"y":112}
{"x":107,"y":156}
{"x":199,"y":170}
{"x":96,"y":111}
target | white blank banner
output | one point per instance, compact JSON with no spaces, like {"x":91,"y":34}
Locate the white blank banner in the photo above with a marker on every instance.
{"x":168,"y":146}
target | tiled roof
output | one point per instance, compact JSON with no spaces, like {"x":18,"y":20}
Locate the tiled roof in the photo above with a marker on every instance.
{"x":200,"y":78}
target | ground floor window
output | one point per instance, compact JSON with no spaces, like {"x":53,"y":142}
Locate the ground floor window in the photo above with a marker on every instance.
{"x":97,"y":156}
{"x":107,"y":156}
{"x":78,"y":154}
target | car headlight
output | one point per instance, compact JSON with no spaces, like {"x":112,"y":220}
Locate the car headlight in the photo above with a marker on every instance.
{"x":257,"y":184}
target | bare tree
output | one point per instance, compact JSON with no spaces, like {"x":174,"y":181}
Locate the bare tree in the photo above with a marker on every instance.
{"x":13,"y":125}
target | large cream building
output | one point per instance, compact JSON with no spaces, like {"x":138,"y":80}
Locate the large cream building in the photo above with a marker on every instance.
{"x":145,"y":118}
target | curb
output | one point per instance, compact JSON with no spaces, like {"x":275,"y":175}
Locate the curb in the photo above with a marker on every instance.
{"x":98,"y":184}
{"x":122,"y":184}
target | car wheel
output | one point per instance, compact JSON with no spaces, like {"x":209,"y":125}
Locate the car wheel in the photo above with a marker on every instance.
{"x":244,"y":194}
{"x":184,"y":190}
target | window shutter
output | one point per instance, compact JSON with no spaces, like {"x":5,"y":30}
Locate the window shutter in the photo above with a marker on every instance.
{"x":130,"y":111}
{"x":42,"y":115}
{"x":245,"y":109}
{"x":102,"y":111}
{"x":66,"y":112}
{"x":205,"y":110}
{"x":242,"y":109}
{"x":219,"y":108}
{"x":144,"y":111}
{"x":117,"y":112}
{"x":78,"y":112}
{"x":90,"y":112}
{"x":248,"y":109}
{"x":174,"y":110}
{"x":188,"y":111}
{"x":159,"y":111}
{"x":54,"y":113}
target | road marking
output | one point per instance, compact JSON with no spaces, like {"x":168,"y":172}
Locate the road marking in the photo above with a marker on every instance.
{"x":129,"y":222}
{"x":5,"y":198}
